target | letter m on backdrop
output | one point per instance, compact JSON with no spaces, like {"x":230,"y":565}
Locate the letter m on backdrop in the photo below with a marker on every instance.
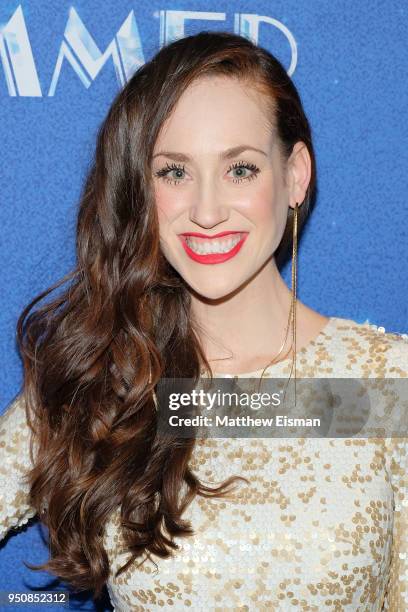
{"x":81,"y":51}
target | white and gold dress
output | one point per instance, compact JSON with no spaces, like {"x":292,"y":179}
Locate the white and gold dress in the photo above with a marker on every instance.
{"x":323,"y":524}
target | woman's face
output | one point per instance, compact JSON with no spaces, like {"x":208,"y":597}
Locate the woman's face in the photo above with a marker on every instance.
{"x":203,"y":186}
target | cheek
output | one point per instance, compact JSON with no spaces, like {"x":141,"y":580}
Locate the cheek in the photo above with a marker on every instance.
{"x":169,"y":203}
{"x":262,"y":205}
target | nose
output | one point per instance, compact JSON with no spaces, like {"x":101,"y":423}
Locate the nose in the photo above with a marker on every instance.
{"x":208,"y":210}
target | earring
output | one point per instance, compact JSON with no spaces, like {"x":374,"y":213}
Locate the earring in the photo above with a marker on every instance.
{"x":292,"y":311}
{"x":294,"y":288}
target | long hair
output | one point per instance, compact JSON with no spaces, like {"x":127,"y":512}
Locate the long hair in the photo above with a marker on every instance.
{"x":94,"y":354}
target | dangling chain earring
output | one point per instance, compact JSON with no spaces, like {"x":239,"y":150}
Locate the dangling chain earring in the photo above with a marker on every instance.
{"x":292,"y":311}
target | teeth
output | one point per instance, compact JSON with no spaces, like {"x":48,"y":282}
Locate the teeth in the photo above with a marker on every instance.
{"x":219,"y":245}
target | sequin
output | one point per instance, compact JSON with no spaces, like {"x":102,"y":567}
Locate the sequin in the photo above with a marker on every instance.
{"x":322,"y":525}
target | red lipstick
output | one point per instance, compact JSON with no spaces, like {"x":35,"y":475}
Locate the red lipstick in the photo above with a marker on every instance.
{"x":212,"y":258}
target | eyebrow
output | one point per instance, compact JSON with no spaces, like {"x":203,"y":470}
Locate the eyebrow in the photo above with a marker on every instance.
{"x":227,"y":154}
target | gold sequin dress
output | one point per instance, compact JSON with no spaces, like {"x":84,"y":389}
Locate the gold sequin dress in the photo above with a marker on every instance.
{"x":323,"y":524}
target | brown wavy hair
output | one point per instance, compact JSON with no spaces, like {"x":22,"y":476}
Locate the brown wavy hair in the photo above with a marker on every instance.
{"x":94,"y":354}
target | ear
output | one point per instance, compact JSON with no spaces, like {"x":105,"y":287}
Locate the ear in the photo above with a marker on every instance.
{"x":299,"y":169}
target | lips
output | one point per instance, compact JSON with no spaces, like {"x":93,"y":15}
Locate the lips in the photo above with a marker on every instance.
{"x":188,"y":239}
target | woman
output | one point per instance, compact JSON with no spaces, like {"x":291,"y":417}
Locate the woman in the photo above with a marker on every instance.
{"x":202,"y":179}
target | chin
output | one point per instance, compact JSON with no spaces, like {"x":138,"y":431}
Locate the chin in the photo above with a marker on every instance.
{"x":211,"y":290}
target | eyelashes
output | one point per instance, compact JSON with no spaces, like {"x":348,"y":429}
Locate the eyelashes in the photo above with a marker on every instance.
{"x":164,"y":172}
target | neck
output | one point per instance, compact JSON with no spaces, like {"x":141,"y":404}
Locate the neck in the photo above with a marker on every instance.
{"x":241,"y":330}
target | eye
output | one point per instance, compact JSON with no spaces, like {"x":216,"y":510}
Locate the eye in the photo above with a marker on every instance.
{"x":242,"y":168}
{"x":164,"y":172}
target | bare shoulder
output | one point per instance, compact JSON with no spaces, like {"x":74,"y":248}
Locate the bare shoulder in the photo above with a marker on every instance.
{"x":310,"y":323}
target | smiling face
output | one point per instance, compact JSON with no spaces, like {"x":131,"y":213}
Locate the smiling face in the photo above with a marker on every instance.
{"x":217,"y":169}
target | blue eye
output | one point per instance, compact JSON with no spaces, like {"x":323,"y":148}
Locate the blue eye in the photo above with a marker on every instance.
{"x":243,"y":165}
{"x":163,"y":173}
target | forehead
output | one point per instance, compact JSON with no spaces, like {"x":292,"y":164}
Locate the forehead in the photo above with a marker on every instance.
{"x":217,"y":112}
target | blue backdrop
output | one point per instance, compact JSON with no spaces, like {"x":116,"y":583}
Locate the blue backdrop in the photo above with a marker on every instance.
{"x":62,"y":64}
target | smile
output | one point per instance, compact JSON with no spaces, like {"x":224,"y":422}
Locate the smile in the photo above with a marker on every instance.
{"x":212,"y":250}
